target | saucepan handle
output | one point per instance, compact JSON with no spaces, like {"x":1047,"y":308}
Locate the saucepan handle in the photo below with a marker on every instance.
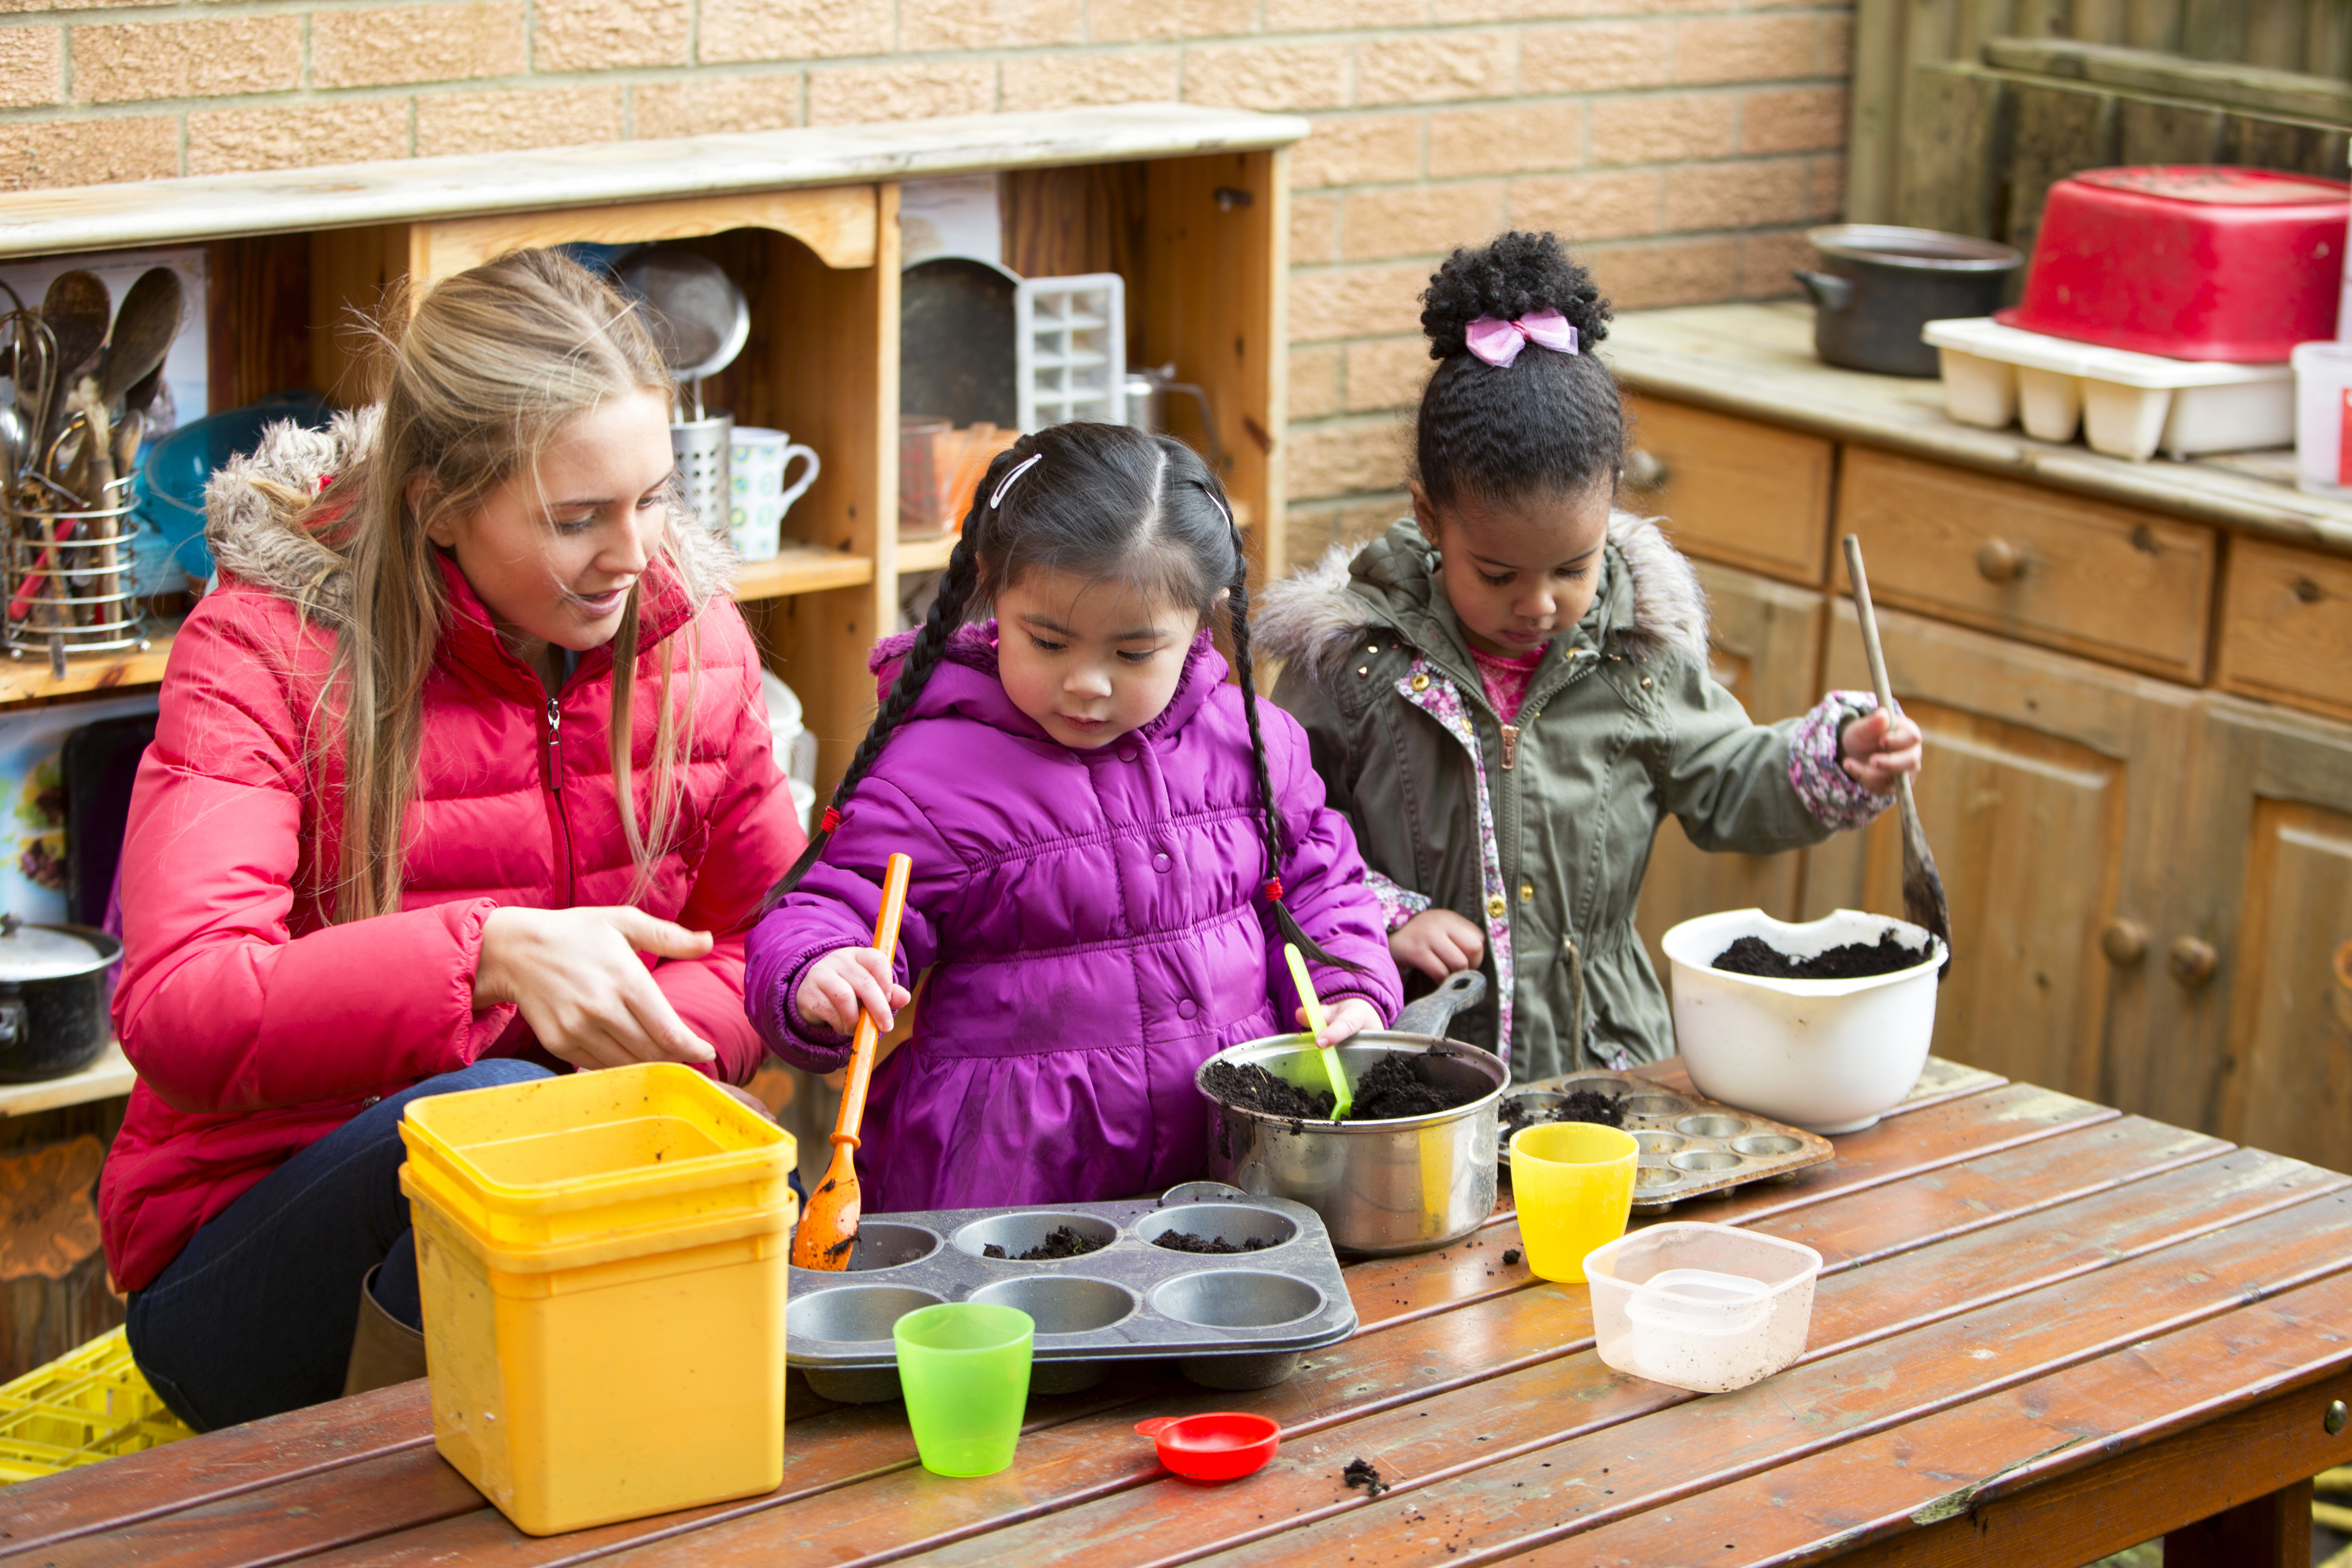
{"x":1461,"y":989}
{"x":1830,"y":293}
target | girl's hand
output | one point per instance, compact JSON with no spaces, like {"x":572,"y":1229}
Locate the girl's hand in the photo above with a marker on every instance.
{"x":1879,"y":749}
{"x":1344,"y":1019}
{"x":1438,"y":942}
{"x":845,"y":980}
{"x":576,"y":978}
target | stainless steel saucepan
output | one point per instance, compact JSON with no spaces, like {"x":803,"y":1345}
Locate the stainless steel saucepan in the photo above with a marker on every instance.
{"x":1383,"y":1187}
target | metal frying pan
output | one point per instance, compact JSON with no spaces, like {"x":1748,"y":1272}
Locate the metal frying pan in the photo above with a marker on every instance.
{"x":699,"y":317}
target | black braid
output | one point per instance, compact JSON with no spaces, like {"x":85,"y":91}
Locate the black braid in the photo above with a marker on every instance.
{"x":1269,"y":814}
{"x":958,"y":587}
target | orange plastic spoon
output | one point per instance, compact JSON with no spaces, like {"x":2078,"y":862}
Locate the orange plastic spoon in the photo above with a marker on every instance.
{"x":828,"y":1229}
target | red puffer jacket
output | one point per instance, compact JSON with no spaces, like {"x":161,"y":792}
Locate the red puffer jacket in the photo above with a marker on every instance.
{"x":255,"y":1025}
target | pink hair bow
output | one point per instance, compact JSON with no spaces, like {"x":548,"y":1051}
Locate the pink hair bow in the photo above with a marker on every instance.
{"x":1499,"y":341}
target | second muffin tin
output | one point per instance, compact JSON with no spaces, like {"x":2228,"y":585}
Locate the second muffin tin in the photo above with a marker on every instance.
{"x":1690,"y":1145}
{"x":1231,"y":1320}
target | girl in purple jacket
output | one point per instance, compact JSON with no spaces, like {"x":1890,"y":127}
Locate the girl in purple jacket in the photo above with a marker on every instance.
{"x":1111,"y":846}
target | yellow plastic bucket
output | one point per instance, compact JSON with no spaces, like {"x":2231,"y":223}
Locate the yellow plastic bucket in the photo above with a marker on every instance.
{"x":602,"y":1263}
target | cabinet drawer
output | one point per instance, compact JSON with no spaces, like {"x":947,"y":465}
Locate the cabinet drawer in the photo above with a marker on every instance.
{"x":2286,"y":625}
{"x":1731,"y":490}
{"x":2126,"y":587}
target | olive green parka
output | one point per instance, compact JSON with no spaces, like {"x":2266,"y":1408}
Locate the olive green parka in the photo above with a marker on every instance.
{"x":1538,"y":831}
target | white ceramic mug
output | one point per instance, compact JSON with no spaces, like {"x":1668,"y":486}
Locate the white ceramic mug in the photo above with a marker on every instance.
{"x":758,"y":497}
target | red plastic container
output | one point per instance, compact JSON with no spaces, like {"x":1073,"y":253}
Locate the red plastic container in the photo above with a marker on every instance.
{"x":2189,"y":261}
{"x":1220,"y":1446}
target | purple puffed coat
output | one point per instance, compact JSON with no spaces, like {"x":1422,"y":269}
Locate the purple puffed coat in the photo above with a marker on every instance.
{"x":1094,"y":926}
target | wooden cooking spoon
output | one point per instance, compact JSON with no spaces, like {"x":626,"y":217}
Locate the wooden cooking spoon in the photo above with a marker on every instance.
{"x":828,"y":1229}
{"x":1923,"y":890}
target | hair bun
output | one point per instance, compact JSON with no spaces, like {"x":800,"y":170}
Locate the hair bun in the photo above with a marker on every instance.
{"x":1507,"y":278}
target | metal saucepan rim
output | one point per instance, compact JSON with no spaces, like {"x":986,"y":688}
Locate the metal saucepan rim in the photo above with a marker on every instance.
{"x":32,"y":952}
{"x":1388,"y":1037}
{"x":1887,"y":245}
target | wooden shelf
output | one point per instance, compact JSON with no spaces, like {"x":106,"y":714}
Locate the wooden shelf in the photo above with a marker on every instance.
{"x":28,"y":680}
{"x":926,"y":552}
{"x":801,"y":569}
{"x":108,"y":1077}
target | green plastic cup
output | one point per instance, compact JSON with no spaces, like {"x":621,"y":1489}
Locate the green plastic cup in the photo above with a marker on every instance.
{"x":964,"y":1369}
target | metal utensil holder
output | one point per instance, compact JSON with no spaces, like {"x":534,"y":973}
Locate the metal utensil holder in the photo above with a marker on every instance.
{"x":69,"y":573}
{"x":702,"y":449}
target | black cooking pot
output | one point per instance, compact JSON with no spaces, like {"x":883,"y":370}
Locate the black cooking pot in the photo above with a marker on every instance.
{"x":1879,"y":285}
{"x":52,"y":998}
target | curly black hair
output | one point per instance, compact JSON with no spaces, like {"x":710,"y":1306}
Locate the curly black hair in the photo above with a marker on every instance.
{"x":1549,"y":423}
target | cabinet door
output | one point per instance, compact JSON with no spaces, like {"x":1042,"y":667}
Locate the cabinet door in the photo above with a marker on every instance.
{"x":1732,"y":490}
{"x":1765,"y":638}
{"x":2261,"y":1014}
{"x":2050,"y":796}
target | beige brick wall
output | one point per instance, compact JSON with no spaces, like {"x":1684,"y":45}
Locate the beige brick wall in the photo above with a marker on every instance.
{"x":1680,"y":145}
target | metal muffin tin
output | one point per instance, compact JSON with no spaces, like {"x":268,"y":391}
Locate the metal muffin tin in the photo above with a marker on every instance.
{"x":1236,"y":1321}
{"x":1691,"y":1146}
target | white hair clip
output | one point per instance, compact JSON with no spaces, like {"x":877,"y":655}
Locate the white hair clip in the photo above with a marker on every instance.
{"x":1221,"y":508}
{"x":1024,"y":467}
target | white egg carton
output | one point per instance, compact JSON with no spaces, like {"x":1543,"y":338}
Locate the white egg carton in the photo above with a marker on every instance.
{"x":2125,"y":405}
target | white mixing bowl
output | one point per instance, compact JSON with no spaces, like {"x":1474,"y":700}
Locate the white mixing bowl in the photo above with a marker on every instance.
{"x":1828,"y":1056}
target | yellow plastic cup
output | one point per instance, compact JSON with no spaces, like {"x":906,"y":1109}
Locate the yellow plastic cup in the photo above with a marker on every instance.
{"x":1573,"y":1182}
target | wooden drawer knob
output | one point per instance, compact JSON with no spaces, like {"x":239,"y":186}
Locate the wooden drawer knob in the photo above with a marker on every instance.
{"x":1645,"y":470}
{"x":2125,"y":942}
{"x":1998,"y":560}
{"x":2193,"y":961}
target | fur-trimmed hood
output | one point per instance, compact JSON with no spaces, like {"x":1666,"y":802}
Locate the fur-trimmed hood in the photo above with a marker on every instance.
{"x":249,"y":522}
{"x":1652,"y":601}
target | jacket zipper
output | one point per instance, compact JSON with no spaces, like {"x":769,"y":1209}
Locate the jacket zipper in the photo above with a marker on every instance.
{"x":1510,"y":747}
{"x":552,"y":765}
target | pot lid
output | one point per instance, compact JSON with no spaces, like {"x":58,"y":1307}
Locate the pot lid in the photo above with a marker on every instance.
{"x":1926,"y":250}
{"x":2220,"y":185}
{"x":50,"y":952}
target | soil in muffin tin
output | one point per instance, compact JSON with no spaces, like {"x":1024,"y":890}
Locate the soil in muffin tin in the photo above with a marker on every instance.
{"x":1854,"y":960}
{"x":1578,"y":1105}
{"x":1208,"y":1246}
{"x":1389,"y":1091}
{"x":1060,"y":1242}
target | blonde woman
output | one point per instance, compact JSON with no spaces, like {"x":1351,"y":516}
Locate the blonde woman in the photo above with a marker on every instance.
{"x":462,"y":778}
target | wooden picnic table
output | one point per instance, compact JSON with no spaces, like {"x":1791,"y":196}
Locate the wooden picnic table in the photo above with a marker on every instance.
{"x":2045,"y":1331}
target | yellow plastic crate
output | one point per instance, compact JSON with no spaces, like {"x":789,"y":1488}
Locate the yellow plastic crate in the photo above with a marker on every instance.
{"x":88,"y":1404}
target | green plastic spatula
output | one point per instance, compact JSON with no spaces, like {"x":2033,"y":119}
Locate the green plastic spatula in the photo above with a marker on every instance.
{"x":1343,"y":1099}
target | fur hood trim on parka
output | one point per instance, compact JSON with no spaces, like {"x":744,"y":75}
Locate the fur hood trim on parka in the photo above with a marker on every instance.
{"x":249,"y":526}
{"x":1316,"y":619}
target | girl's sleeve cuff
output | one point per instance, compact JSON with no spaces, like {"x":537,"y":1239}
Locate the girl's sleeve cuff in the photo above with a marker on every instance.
{"x":1398,"y":905}
{"x":1816,"y":772}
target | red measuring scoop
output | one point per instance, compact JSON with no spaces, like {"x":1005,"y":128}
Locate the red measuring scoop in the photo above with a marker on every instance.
{"x":1223,"y":1446}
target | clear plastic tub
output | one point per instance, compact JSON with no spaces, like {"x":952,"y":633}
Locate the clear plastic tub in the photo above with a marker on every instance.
{"x":1702,"y":1307}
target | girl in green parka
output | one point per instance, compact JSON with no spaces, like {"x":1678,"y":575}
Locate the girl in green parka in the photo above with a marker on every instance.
{"x":1507,"y":691}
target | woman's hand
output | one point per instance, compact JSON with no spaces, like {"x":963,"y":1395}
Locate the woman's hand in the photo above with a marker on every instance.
{"x":1878,"y":750}
{"x":846,"y":981}
{"x":1437,"y":943}
{"x":1344,"y":1019}
{"x":575,"y":976}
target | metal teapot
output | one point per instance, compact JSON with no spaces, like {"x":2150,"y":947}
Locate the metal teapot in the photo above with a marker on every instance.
{"x":1147,"y":391}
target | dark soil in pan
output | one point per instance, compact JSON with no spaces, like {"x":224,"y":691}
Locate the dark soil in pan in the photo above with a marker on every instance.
{"x":1389,"y":1091}
{"x":1854,"y":960}
{"x":1208,"y":1246}
{"x":1060,"y":1242}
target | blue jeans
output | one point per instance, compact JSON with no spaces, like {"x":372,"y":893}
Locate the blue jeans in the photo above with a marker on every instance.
{"x":256,"y":1315}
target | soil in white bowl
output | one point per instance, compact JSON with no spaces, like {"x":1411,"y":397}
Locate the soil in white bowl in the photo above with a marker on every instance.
{"x":1852,"y":961}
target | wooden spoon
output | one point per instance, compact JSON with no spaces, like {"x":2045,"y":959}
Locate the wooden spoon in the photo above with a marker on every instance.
{"x":78,"y":310}
{"x":828,"y":1230}
{"x":1923,"y":890}
{"x":144,"y":331}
